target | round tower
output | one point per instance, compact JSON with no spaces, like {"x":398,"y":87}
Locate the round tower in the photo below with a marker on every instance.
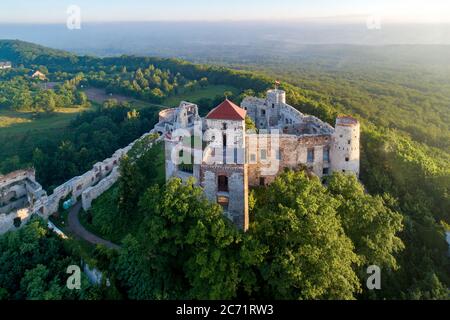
{"x":276,"y":97}
{"x":344,"y":154}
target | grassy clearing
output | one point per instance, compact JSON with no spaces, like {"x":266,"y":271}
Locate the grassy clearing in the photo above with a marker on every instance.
{"x":99,"y":96}
{"x":16,"y":122}
{"x":209,"y":92}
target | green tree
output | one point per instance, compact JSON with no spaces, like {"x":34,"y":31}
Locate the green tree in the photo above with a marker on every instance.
{"x":22,"y":100}
{"x":45,"y":101}
{"x":34,"y":263}
{"x":203,"y":82}
{"x":130,"y":183}
{"x":228,"y":94}
{"x":308,"y":254}
{"x":368,"y":221}
{"x":250,"y":124}
{"x":189,"y":249}
{"x":81,"y":98}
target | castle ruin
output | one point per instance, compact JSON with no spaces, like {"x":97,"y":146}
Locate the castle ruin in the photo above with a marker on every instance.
{"x":218,"y":151}
{"x":226,"y":159}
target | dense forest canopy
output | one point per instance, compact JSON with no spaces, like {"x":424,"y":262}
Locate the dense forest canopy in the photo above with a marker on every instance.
{"x":405,"y":170}
{"x":21,"y":92}
{"x":34,"y":264}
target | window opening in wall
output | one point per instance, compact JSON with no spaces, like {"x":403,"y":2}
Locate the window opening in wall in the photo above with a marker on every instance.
{"x":278,"y":155}
{"x":310,"y":157}
{"x":223,"y":184}
{"x":263,"y":154}
{"x":262,"y":181}
{"x":326,"y":155}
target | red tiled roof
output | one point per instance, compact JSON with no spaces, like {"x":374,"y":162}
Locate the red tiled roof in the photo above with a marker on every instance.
{"x":227,"y":110}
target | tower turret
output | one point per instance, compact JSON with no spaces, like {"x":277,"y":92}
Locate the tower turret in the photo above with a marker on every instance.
{"x":345,"y":146}
{"x":275,"y":100}
{"x":276,"y":96}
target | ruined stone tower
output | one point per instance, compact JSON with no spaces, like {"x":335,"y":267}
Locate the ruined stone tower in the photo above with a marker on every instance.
{"x":345,"y":146}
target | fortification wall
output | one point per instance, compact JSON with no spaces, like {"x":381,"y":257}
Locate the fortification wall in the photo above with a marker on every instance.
{"x":16,"y":176}
{"x":86,"y":188}
{"x":18,"y":193}
{"x":92,"y":193}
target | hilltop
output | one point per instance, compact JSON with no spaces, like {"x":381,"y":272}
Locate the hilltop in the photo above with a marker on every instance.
{"x":409,"y":172}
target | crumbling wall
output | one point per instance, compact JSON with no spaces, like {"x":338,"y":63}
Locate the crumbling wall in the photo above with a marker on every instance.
{"x":7,"y":220}
{"x":289,"y":151}
{"x":92,"y":193}
{"x":86,"y":187}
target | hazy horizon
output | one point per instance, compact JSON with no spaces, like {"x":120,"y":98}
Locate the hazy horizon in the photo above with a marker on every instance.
{"x":188,"y":29}
{"x":55,"y":11}
{"x":188,"y":39}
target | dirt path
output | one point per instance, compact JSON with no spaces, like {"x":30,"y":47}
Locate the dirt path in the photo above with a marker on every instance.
{"x":77,"y":229}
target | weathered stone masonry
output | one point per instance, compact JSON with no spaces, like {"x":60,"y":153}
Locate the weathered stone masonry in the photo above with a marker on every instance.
{"x":234,"y":160}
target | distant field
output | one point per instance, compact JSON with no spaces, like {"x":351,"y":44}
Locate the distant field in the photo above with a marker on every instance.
{"x":13,"y":122}
{"x":17,"y":123}
{"x":208,"y":92}
{"x":99,"y":96}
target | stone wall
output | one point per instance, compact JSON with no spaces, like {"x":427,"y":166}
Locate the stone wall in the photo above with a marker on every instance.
{"x":237,"y":193}
{"x":86,"y":188}
{"x":7,"y":220}
{"x":93,"y":192}
{"x":109,"y":174}
{"x":293,"y":152}
{"x":19,"y":195}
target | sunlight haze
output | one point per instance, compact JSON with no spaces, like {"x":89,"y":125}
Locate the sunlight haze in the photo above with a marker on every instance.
{"x":52,"y":11}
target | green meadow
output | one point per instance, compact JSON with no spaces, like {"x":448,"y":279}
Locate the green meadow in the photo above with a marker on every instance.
{"x":208,"y":92}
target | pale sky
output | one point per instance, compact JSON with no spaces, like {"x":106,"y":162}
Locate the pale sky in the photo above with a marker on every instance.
{"x":54,"y":11}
